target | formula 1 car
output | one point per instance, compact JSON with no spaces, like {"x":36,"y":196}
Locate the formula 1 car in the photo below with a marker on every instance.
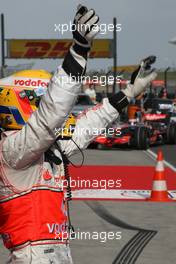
{"x":157,"y":126}
{"x":153,"y":123}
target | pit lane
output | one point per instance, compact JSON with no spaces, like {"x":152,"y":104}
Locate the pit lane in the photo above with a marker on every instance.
{"x":169,"y":153}
{"x":135,"y":169}
{"x":155,"y":216}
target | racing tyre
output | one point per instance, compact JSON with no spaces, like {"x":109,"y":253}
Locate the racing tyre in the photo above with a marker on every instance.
{"x":141,"y":139}
{"x":171,"y":133}
{"x":101,"y":147}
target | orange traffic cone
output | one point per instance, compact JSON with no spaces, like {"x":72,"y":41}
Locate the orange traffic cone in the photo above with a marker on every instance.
{"x":159,"y":190}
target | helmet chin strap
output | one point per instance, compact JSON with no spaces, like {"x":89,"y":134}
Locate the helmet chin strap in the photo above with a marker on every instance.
{"x":5,"y":121}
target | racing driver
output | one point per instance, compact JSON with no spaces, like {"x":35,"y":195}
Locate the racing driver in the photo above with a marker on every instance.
{"x":31,"y":202}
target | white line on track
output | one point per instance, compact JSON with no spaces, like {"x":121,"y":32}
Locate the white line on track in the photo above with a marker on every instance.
{"x":153,"y":155}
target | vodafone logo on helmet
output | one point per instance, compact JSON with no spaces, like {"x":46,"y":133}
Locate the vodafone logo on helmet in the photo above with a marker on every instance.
{"x":31,"y":82}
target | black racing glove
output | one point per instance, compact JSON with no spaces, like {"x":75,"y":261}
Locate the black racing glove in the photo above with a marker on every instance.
{"x":137,"y":86}
{"x":84,"y":29}
{"x":145,"y":65}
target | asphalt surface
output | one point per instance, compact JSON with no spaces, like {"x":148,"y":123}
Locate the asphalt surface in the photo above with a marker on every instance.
{"x":86,"y":217}
{"x":168,"y":151}
{"x":157,"y":217}
{"x":116,"y":157}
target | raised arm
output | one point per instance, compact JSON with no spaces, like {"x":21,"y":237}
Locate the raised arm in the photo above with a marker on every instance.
{"x":100,"y":116}
{"x":27,"y":145}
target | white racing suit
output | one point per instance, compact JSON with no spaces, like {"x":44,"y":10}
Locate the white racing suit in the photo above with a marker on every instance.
{"x":32,"y":203}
